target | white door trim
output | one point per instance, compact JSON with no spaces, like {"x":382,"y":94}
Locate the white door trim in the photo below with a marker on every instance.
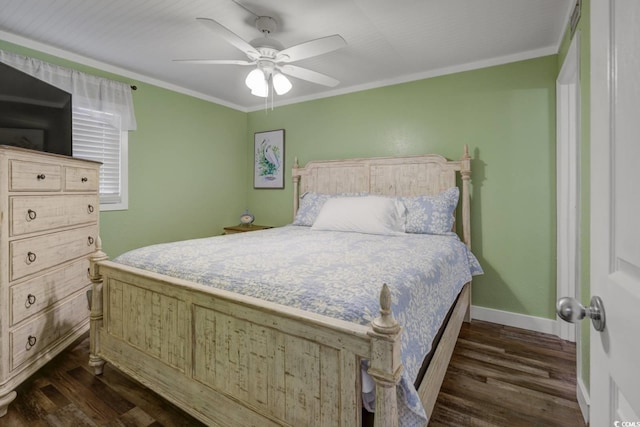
{"x":568,"y":184}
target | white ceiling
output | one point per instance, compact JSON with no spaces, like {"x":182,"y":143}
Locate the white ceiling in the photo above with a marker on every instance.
{"x":388,"y":41}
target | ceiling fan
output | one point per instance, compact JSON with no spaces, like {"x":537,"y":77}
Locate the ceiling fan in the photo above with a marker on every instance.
{"x":271,"y":59}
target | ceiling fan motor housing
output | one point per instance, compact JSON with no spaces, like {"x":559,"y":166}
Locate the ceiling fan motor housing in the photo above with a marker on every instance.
{"x":267,"y":46}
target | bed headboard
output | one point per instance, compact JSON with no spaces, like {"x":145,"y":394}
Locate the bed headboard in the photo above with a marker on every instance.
{"x":388,"y":176}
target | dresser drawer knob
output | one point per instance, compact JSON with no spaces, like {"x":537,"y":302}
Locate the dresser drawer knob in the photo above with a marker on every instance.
{"x":90,"y":208}
{"x":40,"y":176}
{"x":84,"y":179}
{"x":31,"y":257}
{"x":31,"y":341}
{"x":31,"y":214}
{"x":31,"y":299}
{"x":90,"y":241}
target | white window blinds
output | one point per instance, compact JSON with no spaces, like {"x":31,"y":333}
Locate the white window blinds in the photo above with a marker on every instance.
{"x":96,"y":138}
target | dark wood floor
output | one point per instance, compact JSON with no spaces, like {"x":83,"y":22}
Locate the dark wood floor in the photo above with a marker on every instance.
{"x":504,"y":376}
{"x":498,"y":376}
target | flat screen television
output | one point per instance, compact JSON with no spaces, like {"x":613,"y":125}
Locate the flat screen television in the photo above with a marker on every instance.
{"x":34,"y":114}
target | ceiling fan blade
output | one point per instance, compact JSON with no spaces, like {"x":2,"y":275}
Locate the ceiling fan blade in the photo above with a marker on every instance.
{"x":311,"y":48}
{"x":216,"y":61}
{"x":309,"y":75}
{"x":230,"y":37}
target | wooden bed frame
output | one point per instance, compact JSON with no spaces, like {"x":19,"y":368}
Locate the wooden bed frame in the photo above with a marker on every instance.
{"x":233,"y":360}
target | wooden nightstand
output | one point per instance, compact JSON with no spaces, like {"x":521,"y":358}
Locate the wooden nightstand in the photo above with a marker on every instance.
{"x":244,"y":228}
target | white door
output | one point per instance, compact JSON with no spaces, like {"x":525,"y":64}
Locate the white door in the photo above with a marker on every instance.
{"x":615,"y":211}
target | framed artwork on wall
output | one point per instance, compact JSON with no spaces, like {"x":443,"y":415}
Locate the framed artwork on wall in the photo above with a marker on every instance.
{"x":268,"y":160}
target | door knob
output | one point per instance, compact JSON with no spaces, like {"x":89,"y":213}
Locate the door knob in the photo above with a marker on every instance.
{"x":570,"y":310}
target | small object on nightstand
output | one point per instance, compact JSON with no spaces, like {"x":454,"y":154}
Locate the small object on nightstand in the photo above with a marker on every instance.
{"x":244,"y":228}
{"x":246,"y":224}
{"x":246,"y":218}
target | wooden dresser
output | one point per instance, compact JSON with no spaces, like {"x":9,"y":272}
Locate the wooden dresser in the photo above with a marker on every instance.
{"x":49,"y":210}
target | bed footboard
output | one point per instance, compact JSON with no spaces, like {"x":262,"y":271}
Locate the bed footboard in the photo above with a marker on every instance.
{"x":235,"y":361}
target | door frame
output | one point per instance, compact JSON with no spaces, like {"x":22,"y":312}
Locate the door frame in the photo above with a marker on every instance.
{"x":568,"y":140}
{"x":568,"y":203}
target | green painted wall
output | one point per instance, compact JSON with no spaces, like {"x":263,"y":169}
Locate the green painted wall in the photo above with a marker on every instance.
{"x":507,"y":116}
{"x":584,"y":30}
{"x":184,"y":179}
{"x":187,"y":173}
{"x":190,"y":164}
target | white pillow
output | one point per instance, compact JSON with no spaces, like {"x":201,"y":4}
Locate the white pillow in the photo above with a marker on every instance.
{"x":369,"y":214}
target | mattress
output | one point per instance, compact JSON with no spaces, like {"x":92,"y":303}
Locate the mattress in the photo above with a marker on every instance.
{"x":336,"y":274}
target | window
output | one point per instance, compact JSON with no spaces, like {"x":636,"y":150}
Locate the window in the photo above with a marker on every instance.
{"x":102,"y":116}
{"x":96,"y":138}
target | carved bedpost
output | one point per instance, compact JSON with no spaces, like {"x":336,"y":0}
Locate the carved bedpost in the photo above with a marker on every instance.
{"x":465,"y":173}
{"x":385,"y":366}
{"x":296,"y":187}
{"x":96,"y":308}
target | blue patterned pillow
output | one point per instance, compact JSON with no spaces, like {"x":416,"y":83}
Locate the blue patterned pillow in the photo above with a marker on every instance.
{"x":311,"y":203}
{"x":431,"y":214}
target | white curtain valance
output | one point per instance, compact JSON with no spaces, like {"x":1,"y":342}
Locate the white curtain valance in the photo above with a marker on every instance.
{"x":88,"y":91}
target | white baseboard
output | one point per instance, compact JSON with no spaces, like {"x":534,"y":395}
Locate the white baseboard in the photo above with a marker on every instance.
{"x":583,"y":400}
{"x":532,"y":323}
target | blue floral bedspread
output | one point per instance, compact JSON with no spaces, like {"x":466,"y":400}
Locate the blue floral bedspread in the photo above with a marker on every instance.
{"x":337,"y":274}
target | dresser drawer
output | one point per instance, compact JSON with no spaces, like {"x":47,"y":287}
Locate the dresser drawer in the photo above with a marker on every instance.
{"x":33,"y":176}
{"x":35,"y":337}
{"x":29,"y":214}
{"x":28,"y":256}
{"x":81,"y":179}
{"x":30,"y":297}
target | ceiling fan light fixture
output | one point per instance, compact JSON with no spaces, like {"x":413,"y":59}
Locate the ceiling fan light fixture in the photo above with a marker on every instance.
{"x":281,"y":83}
{"x":255,"y":79}
{"x":262,"y":91}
